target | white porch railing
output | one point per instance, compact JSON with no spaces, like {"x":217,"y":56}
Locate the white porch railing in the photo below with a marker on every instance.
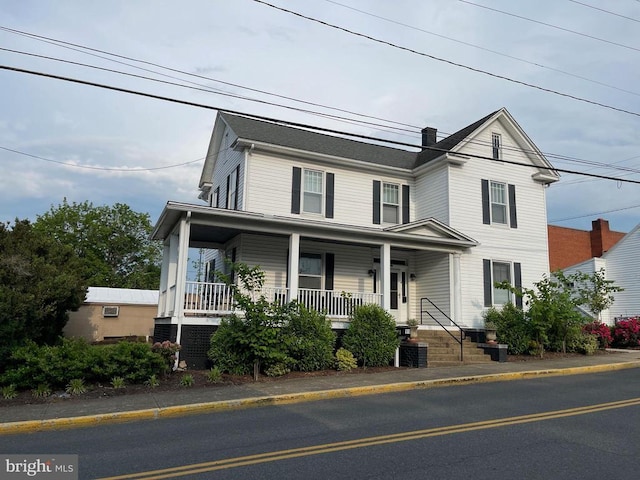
{"x":203,"y":298}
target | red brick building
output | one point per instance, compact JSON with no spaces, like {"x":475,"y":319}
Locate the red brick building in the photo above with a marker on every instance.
{"x":569,"y":246}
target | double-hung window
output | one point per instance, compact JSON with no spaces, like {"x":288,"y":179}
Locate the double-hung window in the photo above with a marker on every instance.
{"x":312,"y":191}
{"x":496,"y":272}
{"x":310,"y":271}
{"x":498,"y":202}
{"x":390,"y":203}
{"x":232,"y":189}
{"x":496,"y":146}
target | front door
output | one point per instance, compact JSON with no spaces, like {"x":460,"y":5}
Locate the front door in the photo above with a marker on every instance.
{"x":399,"y":291}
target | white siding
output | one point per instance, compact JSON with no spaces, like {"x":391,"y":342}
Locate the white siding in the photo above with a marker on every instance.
{"x":623,"y":267}
{"x":526,"y":244}
{"x":228,"y":160}
{"x":269,"y":189}
{"x":431,"y":197}
{"x":432,"y":273}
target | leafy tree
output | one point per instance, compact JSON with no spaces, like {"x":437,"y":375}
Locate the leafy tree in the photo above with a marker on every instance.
{"x":40,"y":281}
{"x":594,"y":291}
{"x":112,"y":241}
{"x":257,"y":337}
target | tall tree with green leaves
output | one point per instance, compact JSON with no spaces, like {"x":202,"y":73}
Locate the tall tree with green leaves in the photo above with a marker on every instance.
{"x":112,"y":241}
{"x":40,"y":281}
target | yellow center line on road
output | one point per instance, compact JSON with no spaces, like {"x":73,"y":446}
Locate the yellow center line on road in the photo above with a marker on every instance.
{"x":370,"y":441}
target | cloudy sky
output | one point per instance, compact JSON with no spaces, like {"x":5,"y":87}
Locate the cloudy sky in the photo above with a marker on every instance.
{"x":59,"y":139}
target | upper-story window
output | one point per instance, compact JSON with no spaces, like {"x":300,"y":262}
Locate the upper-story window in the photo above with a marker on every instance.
{"x":498,"y":203}
{"x":312,"y":191}
{"x":390,"y":203}
{"x":496,"y":146}
{"x":232,"y":189}
{"x":214,"y":200}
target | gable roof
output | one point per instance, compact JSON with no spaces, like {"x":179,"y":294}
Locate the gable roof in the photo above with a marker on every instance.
{"x":274,"y":133}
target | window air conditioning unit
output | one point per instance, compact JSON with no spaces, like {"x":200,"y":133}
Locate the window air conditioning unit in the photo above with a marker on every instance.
{"x":109,"y":311}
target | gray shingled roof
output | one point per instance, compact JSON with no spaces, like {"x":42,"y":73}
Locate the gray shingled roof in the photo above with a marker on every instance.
{"x":276,"y":134}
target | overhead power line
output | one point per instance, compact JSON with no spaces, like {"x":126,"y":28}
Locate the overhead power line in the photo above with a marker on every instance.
{"x":106,"y":169}
{"x":586,"y":35}
{"x":303,"y":125}
{"x":593,"y":214}
{"x":450,"y":62}
{"x":495,"y":52}
{"x":207,"y":89}
{"x":605,"y":11}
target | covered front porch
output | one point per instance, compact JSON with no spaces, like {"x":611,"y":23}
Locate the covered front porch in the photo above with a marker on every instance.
{"x":328,"y":267}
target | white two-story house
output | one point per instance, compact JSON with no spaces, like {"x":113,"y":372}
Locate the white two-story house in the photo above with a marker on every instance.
{"x":335,"y":222}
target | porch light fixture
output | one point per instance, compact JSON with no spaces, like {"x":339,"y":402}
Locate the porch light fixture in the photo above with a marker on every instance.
{"x":412,"y":277}
{"x":371,"y":273}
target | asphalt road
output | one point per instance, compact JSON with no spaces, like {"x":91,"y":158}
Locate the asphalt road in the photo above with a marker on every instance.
{"x":582,"y":427}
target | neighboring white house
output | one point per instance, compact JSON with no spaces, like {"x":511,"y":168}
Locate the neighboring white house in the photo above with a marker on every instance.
{"x":622,"y":265}
{"x":335,"y":222}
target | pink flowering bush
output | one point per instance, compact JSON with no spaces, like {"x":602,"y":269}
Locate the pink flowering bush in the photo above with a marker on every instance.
{"x":167,"y":350}
{"x":626,"y":333}
{"x":601,"y":331}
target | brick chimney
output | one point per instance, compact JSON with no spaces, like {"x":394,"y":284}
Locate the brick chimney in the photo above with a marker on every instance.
{"x":429,"y":136}
{"x":599,"y":237}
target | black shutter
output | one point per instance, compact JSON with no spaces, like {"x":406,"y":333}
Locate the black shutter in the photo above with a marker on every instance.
{"x":233,"y":261}
{"x":486,"y":212}
{"x":405,"y":203}
{"x":513,"y":217}
{"x":329,"y":263}
{"x":296,"y":185}
{"x":328,"y":208}
{"x":517,"y":282}
{"x":488,"y":287}
{"x":286,"y":283}
{"x":376,"y":202}
{"x":226,"y":193}
{"x":235,"y":195}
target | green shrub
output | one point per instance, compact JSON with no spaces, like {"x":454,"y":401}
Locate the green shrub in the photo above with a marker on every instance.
{"x":152,"y":381}
{"x":345,"y":360}
{"x":9,"y":392}
{"x":371,"y":336}
{"x":309,"y":339}
{"x":187,"y":380}
{"x":583,"y":343}
{"x":214,"y":375}
{"x":41,"y":391}
{"x":227,"y":350}
{"x":512,"y":327}
{"x":76,"y":386}
{"x":118,"y":382}
{"x":167,"y":350}
{"x":277,"y":370}
{"x":134,"y":362}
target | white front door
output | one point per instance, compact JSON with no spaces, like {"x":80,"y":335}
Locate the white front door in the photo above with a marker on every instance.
{"x":399,"y":294}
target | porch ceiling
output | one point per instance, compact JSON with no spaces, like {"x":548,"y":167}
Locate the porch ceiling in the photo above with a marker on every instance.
{"x":216,"y":225}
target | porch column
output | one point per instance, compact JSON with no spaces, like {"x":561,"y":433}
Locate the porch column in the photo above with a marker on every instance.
{"x":164,"y":279}
{"x":456,"y":288}
{"x":181,"y":270}
{"x":385,"y":275}
{"x":294,"y":262}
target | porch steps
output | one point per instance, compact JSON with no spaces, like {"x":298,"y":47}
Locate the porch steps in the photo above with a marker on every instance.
{"x":445,"y":351}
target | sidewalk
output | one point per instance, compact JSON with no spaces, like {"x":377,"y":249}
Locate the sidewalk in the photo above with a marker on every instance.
{"x":65,"y":414}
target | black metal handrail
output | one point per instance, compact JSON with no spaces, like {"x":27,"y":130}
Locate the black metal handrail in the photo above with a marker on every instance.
{"x":423,"y":311}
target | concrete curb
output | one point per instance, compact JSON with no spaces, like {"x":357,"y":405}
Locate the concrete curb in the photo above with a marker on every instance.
{"x":32,"y":426}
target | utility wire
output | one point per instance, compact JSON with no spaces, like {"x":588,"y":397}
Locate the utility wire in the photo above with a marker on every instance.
{"x":495,"y":52}
{"x":205,"y":88}
{"x":586,"y":35}
{"x":605,"y":11}
{"x":595,"y":214}
{"x":450,"y":62}
{"x":106,"y":169}
{"x":306,"y":126}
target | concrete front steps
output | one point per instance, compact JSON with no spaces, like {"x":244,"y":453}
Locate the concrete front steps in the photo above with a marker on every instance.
{"x":443,"y":350}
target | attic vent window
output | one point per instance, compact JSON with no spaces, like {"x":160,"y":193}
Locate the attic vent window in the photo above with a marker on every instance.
{"x":110,"y":311}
